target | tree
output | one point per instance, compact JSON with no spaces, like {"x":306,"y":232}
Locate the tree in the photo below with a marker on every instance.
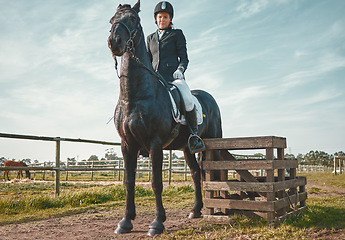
{"x":289,"y":156}
{"x":26,"y":161}
{"x":317,"y":158}
{"x":340,"y":153}
{"x":93,"y":158}
{"x":300,"y":159}
{"x":110,"y":154}
{"x":72,"y":161}
{"x":2,"y":160}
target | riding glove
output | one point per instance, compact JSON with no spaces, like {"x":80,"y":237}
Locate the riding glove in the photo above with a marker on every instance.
{"x":178,"y":74}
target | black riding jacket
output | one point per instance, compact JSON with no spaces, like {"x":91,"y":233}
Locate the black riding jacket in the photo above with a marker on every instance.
{"x":168,"y":53}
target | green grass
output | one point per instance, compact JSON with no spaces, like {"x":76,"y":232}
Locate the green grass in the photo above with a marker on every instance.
{"x":323,"y":214}
{"x":325,"y":179}
{"x":18,"y":202}
{"x":31,"y":201}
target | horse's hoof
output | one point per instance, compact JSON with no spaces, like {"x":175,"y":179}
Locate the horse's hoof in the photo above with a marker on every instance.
{"x":195,"y":215}
{"x":156,"y":227}
{"x":120,"y":230}
{"x":152,"y":232}
{"x":124,"y":226}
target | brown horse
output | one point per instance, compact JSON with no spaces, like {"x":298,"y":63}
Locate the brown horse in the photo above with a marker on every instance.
{"x":16,"y":164}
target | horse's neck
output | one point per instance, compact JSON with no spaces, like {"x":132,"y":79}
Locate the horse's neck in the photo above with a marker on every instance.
{"x":136,"y":82}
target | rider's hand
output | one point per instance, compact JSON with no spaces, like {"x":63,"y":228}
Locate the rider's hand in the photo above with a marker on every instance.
{"x":178,"y":74}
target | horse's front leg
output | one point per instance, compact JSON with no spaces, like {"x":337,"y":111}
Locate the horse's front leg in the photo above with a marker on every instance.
{"x":6,"y":175}
{"x":196,"y":175}
{"x":157,"y":227}
{"x":130,"y":160}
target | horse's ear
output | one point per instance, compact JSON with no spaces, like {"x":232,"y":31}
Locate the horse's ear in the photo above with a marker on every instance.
{"x":120,"y":5}
{"x":112,"y":20}
{"x":136,"y":7}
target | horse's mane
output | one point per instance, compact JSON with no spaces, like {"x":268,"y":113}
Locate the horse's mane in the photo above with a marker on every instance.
{"x":125,"y":6}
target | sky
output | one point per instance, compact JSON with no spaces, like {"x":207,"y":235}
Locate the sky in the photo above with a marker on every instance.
{"x":275,"y":67}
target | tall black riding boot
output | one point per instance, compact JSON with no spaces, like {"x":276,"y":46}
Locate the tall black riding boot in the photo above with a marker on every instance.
{"x":195,"y":143}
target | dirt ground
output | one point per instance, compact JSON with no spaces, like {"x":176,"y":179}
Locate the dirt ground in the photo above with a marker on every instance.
{"x":101,"y":224}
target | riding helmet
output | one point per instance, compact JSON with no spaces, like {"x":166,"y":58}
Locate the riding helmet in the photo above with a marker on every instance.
{"x":164,"y":7}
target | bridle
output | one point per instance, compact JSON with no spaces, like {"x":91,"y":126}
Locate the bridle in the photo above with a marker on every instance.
{"x":130,"y":46}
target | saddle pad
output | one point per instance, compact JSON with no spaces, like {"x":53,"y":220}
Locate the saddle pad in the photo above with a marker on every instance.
{"x":181,"y":119}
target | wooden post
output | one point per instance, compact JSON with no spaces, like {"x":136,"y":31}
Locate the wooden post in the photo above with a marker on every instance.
{"x":67,"y":171}
{"x":44,"y":171}
{"x":114,"y":169}
{"x":281,"y":177}
{"x":57,"y":165}
{"x":170,"y":165}
{"x":270,"y":178}
{"x":335,"y":165}
{"x":209,"y":176}
{"x":92,"y":165}
{"x":339,"y":166}
{"x":119,"y":172}
{"x":185,"y":170}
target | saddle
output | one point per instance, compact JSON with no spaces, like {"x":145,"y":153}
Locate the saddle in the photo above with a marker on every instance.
{"x":178,"y":109}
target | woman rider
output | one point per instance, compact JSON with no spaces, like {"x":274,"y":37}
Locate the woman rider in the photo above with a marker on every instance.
{"x":168,"y":53}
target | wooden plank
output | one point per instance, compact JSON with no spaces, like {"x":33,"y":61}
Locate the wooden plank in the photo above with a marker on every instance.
{"x":253,"y":186}
{"x":249,"y":164}
{"x":238,"y":165}
{"x":283,"y":164}
{"x":238,"y":186}
{"x":245,"y":143}
{"x":293,"y":213}
{"x":245,"y":174}
{"x":43,"y":138}
{"x":292,"y":183}
{"x":287,"y":201}
{"x":240,"y":204}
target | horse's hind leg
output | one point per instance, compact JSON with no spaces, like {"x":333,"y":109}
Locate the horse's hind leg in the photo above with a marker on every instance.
{"x":196,"y":175}
{"x":130,"y":159}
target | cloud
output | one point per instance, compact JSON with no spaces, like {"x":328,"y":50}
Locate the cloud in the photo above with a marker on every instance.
{"x":250,"y":8}
{"x":327,"y":63}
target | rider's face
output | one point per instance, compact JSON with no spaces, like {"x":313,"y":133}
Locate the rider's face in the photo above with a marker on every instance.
{"x":163,"y":20}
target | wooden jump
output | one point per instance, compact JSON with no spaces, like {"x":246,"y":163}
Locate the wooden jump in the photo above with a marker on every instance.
{"x":274,"y":196}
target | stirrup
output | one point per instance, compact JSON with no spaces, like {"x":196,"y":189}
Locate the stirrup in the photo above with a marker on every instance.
{"x":200,"y":149}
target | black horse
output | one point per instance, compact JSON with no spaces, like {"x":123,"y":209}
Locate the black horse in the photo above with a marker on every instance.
{"x":143,"y":117}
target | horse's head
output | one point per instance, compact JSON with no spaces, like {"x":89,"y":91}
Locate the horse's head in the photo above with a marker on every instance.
{"x":125,"y":28}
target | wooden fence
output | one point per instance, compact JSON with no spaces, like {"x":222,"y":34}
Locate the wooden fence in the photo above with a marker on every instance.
{"x":117,"y":167}
{"x":339,"y":163}
{"x":274,"y":196}
{"x":58,"y":166}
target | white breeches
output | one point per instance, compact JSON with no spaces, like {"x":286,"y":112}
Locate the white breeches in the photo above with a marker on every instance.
{"x":181,"y":84}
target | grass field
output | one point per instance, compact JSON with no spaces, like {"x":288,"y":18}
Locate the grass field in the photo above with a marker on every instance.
{"x":33,"y":201}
